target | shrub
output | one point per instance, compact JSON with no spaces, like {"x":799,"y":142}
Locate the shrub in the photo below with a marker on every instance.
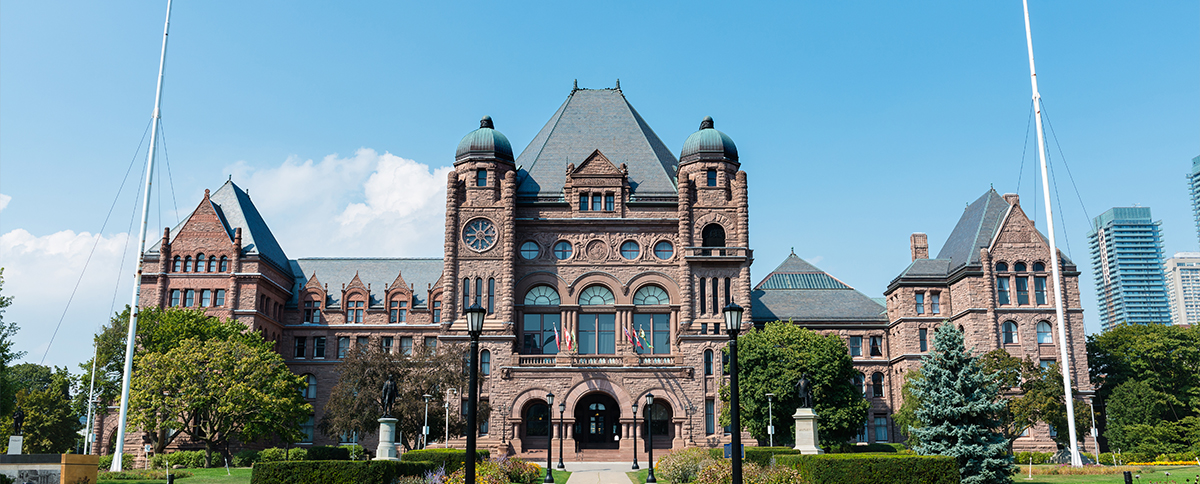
{"x":357,"y":452}
{"x":297,"y":453}
{"x":486,"y":472}
{"x":336,"y":471}
{"x":684,"y":465}
{"x":4,"y":479}
{"x":1022,"y":458}
{"x":142,"y":475}
{"x":192,"y":459}
{"x":106,"y":462}
{"x":451,"y":459}
{"x":876,"y":448}
{"x":274,"y":454}
{"x":245,"y":458}
{"x":764,"y":455}
{"x":520,"y":471}
{"x":721,"y":472}
{"x":322,"y":452}
{"x":871,"y":468}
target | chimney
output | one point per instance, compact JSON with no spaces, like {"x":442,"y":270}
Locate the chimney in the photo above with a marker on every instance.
{"x":920,"y":245}
{"x":1012,"y":199}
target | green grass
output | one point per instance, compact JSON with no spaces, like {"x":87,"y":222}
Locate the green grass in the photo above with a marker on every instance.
{"x":638,"y":477}
{"x":1155,"y":473}
{"x":560,"y":477}
{"x":240,"y":475}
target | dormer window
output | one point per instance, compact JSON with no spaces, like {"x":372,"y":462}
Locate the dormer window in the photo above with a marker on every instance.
{"x":354,"y":311}
{"x":398,"y":311}
{"x":312,"y":312}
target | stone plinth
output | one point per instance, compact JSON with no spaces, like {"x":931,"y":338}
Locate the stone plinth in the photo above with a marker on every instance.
{"x":807,"y":441}
{"x":387,"y":440}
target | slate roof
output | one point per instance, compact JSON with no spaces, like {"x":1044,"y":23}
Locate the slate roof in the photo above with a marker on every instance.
{"x":234,"y":208}
{"x":975,"y":230}
{"x":798,"y":291}
{"x":378,"y":272}
{"x":596,"y":119}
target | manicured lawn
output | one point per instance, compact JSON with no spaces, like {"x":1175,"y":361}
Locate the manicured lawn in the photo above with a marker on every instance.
{"x":1151,"y":474}
{"x":240,"y":475}
{"x":639,"y":477}
{"x":561,"y":477}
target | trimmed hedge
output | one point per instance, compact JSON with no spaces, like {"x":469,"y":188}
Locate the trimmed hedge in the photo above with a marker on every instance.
{"x":875,"y":448}
{"x":451,"y":459}
{"x":322,"y":452}
{"x":337,"y":471}
{"x":763,"y":455}
{"x":873,"y":468}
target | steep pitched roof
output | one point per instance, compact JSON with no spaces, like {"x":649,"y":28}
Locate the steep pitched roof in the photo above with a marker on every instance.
{"x":801,"y":292}
{"x":975,"y":230}
{"x":234,"y":208}
{"x":590,"y":120}
{"x":378,"y":272}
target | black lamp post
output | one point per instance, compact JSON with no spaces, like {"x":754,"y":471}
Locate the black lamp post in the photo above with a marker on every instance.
{"x":475,"y":316}
{"x":549,"y":437}
{"x":733,"y":324}
{"x":635,"y":427}
{"x":650,"y":438}
{"x":562,"y":432}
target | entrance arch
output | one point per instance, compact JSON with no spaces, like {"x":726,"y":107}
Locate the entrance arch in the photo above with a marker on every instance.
{"x":597,"y":421}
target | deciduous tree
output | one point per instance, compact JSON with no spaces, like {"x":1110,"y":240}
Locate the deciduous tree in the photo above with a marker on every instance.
{"x":44,"y":395}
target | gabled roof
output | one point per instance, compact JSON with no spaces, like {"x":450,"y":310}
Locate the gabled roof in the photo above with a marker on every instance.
{"x":975,"y":230}
{"x":379,"y":273}
{"x":234,"y":208}
{"x":590,"y":120}
{"x":801,"y":292}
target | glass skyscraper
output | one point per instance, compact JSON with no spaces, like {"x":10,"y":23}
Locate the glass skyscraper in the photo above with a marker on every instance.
{"x":1127,"y":257}
{"x":1194,"y":189}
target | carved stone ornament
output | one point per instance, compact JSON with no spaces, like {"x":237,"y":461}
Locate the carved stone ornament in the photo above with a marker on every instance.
{"x":597,"y":250}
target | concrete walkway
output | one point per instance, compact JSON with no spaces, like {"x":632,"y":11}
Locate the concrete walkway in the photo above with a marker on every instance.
{"x":599,"y":472}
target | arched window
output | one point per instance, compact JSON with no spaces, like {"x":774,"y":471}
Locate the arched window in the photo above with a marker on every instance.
{"x":651,"y":296}
{"x":1039,"y":267}
{"x":479,"y":291}
{"x":212,"y":263}
{"x":859,"y":381}
{"x":713,"y":235}
{"x":491,"y":295}
{"x":466,"y":294}
{"x":1001,"y":267}
{"x":200,"y":262}
{"x":877,"y":385}
{"x":310,"y":387}
{"x":658,"y":419}
{"x":1044,"y":335}
{"x":537,"y":420}
{"x":708,"y":362}
{"x":224,"y":264}
{"x":178,"y":266}
{"x":398,"y":309}
{"x":354,"y":309}
{"x":485,"y":362}
{"x":1010,"y":333}
{"x":562,"y":250}
{"x":630,"y":250}
{"x":542,"y":296}
{"x":1019,"y":267}
{"x":596,"y":296}
{"x":187,"y":264}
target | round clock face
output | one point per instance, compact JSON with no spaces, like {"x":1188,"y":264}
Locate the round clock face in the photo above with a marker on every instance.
{"x":480,"y":234}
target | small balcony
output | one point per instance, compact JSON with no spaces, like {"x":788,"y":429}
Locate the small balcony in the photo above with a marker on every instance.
{"x":718,"y":254}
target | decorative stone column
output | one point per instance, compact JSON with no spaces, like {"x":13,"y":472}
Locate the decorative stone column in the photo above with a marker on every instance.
{"x":807,"y":441}
{"x":387,"y":440}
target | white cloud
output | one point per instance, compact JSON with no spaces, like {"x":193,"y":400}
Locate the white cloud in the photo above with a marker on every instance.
{"x":4,"y":199}
{"x":365,"y":205}
{"x":40,"y":273}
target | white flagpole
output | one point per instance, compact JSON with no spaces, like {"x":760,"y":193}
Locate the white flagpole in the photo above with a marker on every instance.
{"x":1064,"y":356}
{"x":137,"y":275}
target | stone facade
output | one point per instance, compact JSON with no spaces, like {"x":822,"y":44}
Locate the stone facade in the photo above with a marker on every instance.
{"x":603,"y":263}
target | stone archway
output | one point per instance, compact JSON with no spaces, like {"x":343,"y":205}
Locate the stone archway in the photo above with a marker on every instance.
{"x":597,"y":421}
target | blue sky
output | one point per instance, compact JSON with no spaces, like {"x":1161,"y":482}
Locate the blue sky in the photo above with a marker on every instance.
{"x":857,"y":122}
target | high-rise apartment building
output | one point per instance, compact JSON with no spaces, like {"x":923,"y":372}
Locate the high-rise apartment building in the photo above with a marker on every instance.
{"x":1183,"y":287}
{"x":1194,"y":189}
{"x":1127,"y":258}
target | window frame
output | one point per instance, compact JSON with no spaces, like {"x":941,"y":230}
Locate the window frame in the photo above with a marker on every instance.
{"x":1009,"y":333}
{"x":219,"y":298}
{"x":563,"y":250}
{"x":1049,"y":333}
{"x":877,"y":382}
{"x":876,"y":343}
{"x":923,"y":339}
{"x":318,"y":347}
{"x":1002,"y":292}
{"x":664,"y":247}
{"x":711,"y":177}
{"x":855,"y":346}
{"x":919,"y":300}
{"x":481,"y":177}
{"x":935,"y":303}
{"x":610,"y":202}
{"x":530,"y":250}
{"x":630,"y":250}
{"x":300,"y":347}
{"x":205,"y":298}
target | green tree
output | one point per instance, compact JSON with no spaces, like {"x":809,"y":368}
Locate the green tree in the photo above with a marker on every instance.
{"x":44,"y":395}
{"x":959,"y":404}
{"x":8,"y":393}
{"x":1166,"y":358}
{"x":906,"y":417}
{"x":1012,"y":419}
{"x":1133,"y":403}
{"x":354,"y":405}
{"x":771,"y":360}
{"x":218,"y":389}
{"x":1042,"y":400}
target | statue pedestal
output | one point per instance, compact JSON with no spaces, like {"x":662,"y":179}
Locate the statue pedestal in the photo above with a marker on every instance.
{"x":807,"y":441}
{"x":15,"y":443}
{"x":387,"y":440}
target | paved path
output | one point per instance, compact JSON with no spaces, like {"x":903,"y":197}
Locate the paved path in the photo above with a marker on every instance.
{"x":599,"y":472}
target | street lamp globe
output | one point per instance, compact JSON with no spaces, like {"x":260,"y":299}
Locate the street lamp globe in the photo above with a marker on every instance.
{"x":649,"y":400}
{"x":733,"y":317}
{"x":475,"y":315}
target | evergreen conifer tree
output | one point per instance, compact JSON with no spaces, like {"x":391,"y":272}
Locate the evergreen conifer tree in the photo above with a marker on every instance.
{"x":959,"y":404}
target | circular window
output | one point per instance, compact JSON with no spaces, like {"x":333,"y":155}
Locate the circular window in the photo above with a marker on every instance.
{"x":664,"y":250}
{"x":480,"y":234}
{"x":562,"y":250}
{"x":529,"y":250}
{"x":630,"y":250}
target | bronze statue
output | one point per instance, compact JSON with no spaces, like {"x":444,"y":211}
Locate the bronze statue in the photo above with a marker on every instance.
{"x":805,"y":393}
{"x":389,"y":396}
{"x":18,"y":421}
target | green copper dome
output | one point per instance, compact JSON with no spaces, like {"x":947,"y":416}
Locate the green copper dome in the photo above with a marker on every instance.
{"x":708,"y":144}
{"x":484,"y":143}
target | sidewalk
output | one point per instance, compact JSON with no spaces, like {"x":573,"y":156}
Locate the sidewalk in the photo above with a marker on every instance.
{"x":599,"y":472}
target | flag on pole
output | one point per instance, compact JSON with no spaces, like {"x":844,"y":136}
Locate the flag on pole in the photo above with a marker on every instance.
{"x":629,"y":337}
{"x":642,"y":335}
{"x":557,"y":341}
